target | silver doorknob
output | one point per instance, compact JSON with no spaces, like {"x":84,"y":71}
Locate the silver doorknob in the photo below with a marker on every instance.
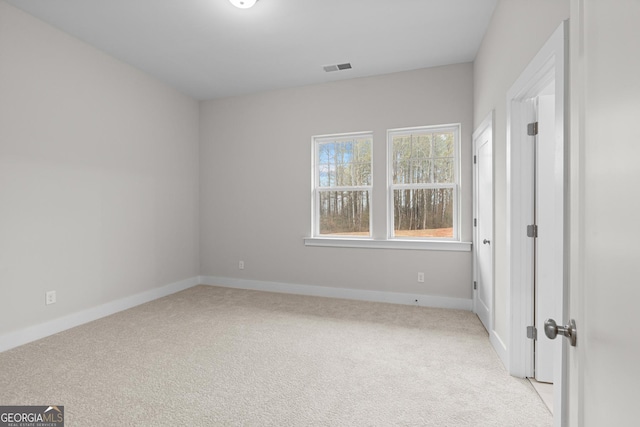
{"x":551,"y":330}
{"x":486,"y":242}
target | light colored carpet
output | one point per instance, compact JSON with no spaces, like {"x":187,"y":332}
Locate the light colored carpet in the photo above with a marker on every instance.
{"x":212,"y":356}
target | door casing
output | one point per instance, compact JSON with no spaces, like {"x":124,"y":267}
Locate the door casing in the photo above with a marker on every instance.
{"x":548,"y":66}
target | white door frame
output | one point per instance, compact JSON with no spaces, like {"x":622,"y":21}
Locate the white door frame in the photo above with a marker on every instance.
{"x":486,"y":125}
{"x":548,"y":65}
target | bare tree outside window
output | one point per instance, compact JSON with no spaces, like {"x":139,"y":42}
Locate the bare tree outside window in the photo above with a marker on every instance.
{"x":343,"y":185}
{"x":422,"y":185}
{"x":423,"y":182}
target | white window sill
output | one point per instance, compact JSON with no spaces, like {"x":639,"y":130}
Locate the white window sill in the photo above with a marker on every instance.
{"x":430,"y":245}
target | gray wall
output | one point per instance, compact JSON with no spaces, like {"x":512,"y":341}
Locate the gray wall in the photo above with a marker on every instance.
{"x":98,"y":176}
{"x":255,"y":181}
{"x":517,"y":31}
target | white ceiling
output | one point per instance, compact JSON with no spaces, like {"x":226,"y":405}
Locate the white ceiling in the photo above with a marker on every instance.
{"x":211,"y":49}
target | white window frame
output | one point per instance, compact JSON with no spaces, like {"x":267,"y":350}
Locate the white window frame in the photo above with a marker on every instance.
{"x":387,"y":242}
{"x":316,"y":189}
{"x":391,"y":187}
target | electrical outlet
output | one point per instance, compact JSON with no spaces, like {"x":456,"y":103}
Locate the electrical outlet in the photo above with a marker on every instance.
{"x":420,"y":277}
{"x":50,"y":297}
{"x":240,"y":265}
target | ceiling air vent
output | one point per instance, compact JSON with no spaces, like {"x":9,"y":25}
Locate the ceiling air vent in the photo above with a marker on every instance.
{"x":337,"y":67}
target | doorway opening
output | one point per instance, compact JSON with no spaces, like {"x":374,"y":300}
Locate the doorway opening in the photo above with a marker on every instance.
{"x":535,"y":216}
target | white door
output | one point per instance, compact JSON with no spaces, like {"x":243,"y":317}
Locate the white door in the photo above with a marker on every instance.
{"x":483,"y":222}
{"x":604,"y":372}
{"x":549,"y":243}
{"x":543,"y":157}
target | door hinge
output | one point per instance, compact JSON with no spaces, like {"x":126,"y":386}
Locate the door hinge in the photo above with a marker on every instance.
{"x":532,"y":333}
{"x":532,"y":129}
{"x":475,"y":159}
{"x":475,"y":285}
{"x":475,"y":222}
{"x":532,"y":230}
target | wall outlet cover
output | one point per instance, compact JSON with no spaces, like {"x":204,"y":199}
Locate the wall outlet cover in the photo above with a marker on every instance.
{"x":50,"y":297}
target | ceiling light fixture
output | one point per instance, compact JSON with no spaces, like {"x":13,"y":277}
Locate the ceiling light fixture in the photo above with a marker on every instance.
{"x":243,"y":4}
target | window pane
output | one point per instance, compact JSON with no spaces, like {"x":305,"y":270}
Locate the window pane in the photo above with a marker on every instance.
{"x":423,"y":158}
{"x":443,"y":170}
{"x":423,"y":212}
{"x":443,"y":144}
{"x":344,"y":213}
{"x":345,"y":163}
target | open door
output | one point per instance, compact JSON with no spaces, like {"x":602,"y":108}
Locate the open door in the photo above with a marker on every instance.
{"x":549,"y":240}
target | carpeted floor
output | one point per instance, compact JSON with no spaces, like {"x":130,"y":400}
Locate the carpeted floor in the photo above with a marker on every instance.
{"x":212,"y":356}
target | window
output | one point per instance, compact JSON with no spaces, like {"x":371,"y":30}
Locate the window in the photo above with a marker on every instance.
{"x":422,"y":190}
{"x":423,"y":182}
{"x":342,"y":185}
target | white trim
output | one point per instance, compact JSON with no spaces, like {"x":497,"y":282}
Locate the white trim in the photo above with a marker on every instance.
{"x":316,"y":141}
{"x":546,"y":66}
{"x":430,"y":245}
{"x":344,"y":293}
{"x":332,"y":137}
{"x":42,"y":330}
{"x":500,"y":348}
{"x":486,"y":124}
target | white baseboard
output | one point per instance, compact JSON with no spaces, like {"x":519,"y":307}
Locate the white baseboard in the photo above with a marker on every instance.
{"x":36,"y":332}
{"x":500,"y":348}
{"x":355,"y":294}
